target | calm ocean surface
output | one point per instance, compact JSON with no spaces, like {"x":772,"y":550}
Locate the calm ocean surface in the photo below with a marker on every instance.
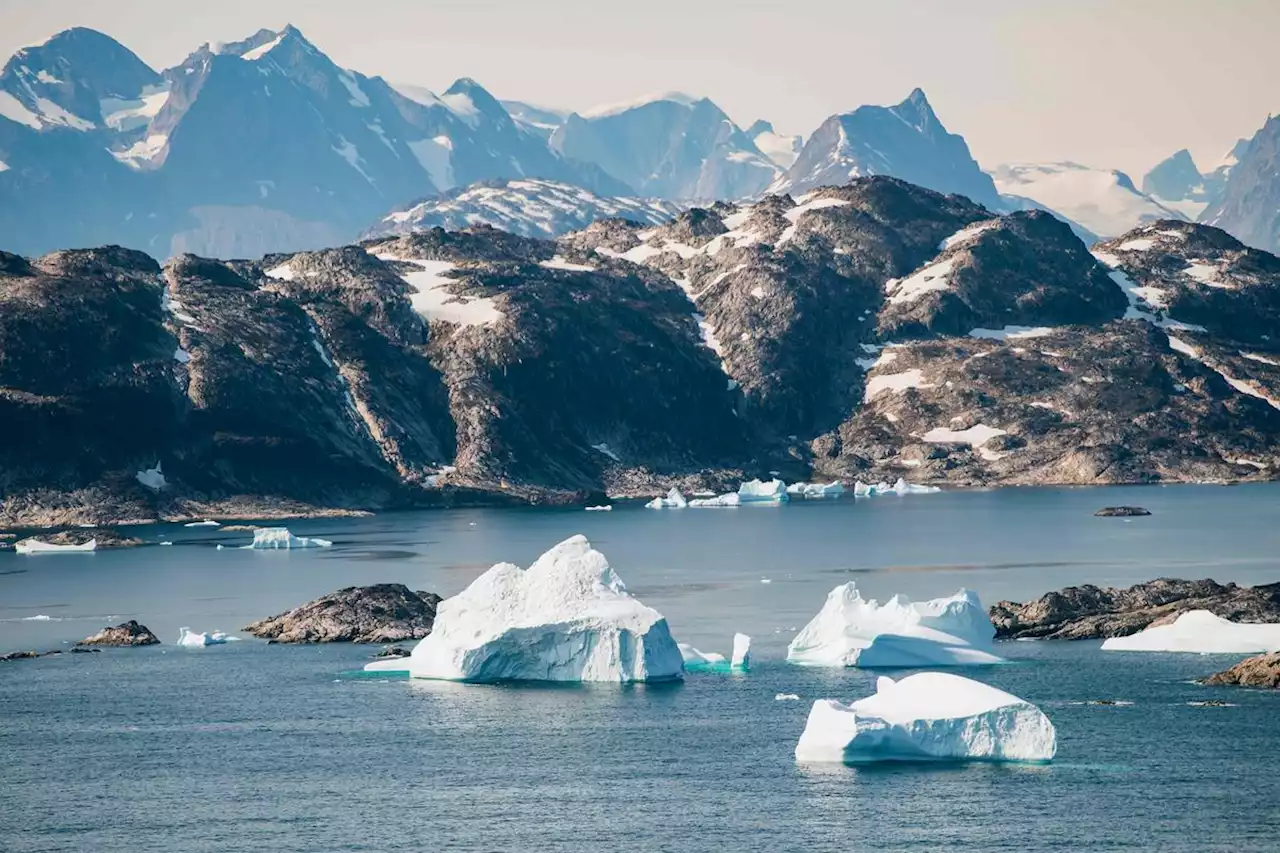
{"x":250,"y":746}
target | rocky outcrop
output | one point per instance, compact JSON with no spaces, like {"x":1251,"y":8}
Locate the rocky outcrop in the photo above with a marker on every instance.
{"x":1261,"y":671}
{"x":382,"y":613}
{"x":1091,"y":612}
{"x":125,"y":634}
{"x":1122,"y":512}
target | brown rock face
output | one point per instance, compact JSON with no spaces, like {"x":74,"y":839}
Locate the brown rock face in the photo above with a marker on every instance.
{"x":1091,"y":612}
{"x":382,"y":613}
{"x":1260,"y":671}
{"x":125,"y":634}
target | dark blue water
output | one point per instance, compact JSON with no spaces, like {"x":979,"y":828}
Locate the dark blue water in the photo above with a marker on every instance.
{"x":249,"y":746}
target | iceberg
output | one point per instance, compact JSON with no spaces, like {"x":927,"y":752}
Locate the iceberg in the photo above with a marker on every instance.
{"x":673,"y":500}
{"x":852,"y":631}
{"x":901,"y":487}
{"x":35,"y":546}
{"x":931,"y":716}
{"x":758,"y":491}
{"x":1200,"y":632}
{"x":815,"y":490}
{"x":274,"y":538}
{"x":714,"y":661}
{"x":205,"y":523}
{"x":568,"y":617}
{"x":191,"y":639}
{"x":730,"y":499}
{"x":601,"y":508}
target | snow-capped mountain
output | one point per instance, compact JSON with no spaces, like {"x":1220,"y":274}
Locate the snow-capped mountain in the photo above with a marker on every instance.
{"x":244,"y":148}
{"x":1177,"y":182}
{"x":670,"y":146}
{"x":1102,"y":200}
{"x":781,"y":149}
{"x":540,"y":120}
{"x":905,"y":141}
{"x":529,"y":207}
{"x":1250,"y":200}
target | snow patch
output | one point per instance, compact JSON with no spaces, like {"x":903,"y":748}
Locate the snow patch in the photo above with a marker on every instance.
{"x":895,"y":382}
{"x":435,"y":156}
{"x":152,"y":478}
{"x":934,"y":277}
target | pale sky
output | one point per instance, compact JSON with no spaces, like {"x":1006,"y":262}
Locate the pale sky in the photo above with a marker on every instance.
{"x":1117,"y":84}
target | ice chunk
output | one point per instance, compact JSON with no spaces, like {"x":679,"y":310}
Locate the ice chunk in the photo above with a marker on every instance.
{"x":205,"y":523}
{"x":602,"y":508}
{"x":730,"y":499}
{"x":673,"y":500}
{"x":757,"y":491}
{"x":714,"y":661}
{"x":786,"y":697}
{"x":931,"y":716}
{"x":274,"y":538}
{"x":35,"y":546}
{"x":191,"y":639}
{"x":568,"y":617}
{"x":816,"y":490}
{"x":152,"y":478}
{"x":1199,"y":631}
{"x":741,"y":652}
{"x":902,"y":487}
{"x":851,"y":631}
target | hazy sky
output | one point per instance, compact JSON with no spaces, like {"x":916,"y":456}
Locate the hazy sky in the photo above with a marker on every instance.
{"x":1117,"y":84}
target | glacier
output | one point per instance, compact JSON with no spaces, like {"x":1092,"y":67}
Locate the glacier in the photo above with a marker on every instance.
{"x":279,"y":538}
{"x":853,"y":631}
{"x":198,"y":640}
{"x":930,"y":716}
{"x":568,"y":617}
{"x":1200,"y":632}
{"x":673,"y":500}
{"x":767,"y":491}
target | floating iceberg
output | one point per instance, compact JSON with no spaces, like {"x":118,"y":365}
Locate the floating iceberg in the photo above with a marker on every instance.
{"x":758,"y":491}
{"x":274,"y":538}
{"x":568,"y":617}
{"x":930,"y":716}
{"x":901,"y":487}
{"x":851,"y":631}
{"x":35,"y":546}
{"x":730,"y":499}
{"x":673,"y":500}
{"x":602,"y":508}
{"x":696,"y":660}
{"x":786,"y":697}
{"x":206,"y":523}
{"x":191,"y":639}
{"x":815,"y":490}
{"x":1199,"y":631}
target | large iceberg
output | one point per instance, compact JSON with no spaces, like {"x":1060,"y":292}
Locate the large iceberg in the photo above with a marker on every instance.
{"x":198,"y":640}
{"x":673,"y":500}
{"x":696,"y":660}
{"x":1199,"y":631}
{"x":758,"y":491}
{"x":568,"y":617}
{"x":35,"y":546}
{"x":816,"y":490}
{"x":274,"y":538}
{"x":930,"y":716}
{"x":852,"y":631}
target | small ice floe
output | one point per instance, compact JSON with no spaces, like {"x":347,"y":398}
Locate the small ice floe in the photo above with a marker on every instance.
{"x":220,"y":547}
{"x":815,"y":490}
{"x":901,"y":487}
{"x":205,"y":523}
{"x":1200,"y":632}
{"x":853,"y":631}
{"x":762,"y":491}
{"x":766,"y":580}
{"x":279,"y":538}
{"x":673,"y":500}
{"x":930,"y":716}
{"x":786,"y":697}
{"x":695,"y":660}
{"x":729,"y":499}
{"x":194,"y":640}
{"x":165,"y":543}
{"x":39,"y":617}
{"x":35,"y":546}
{"x":602,"y":508}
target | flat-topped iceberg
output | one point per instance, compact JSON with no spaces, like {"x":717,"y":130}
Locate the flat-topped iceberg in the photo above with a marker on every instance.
{"x":35,"y":546}
{"x":901,"y":487}
{"x":729,"y":499}
{"x":815,"y":490}
{"x":931,"y":716}
{"x":852,"y":631}
{"x":274,"y":538}
{"x":697,"y":660}
{"x":673,"y":500}
{"x":762,"y":491}
{"x":1202,"y":632}
{"x":198,"y":640}
{"x":568,"y":617}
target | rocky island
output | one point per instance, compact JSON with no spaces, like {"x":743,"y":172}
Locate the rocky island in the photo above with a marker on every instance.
{"x":382,"y":613}
{"x":125,"y":634}
{"x":1260,"y":671}
{"x":1090,"y":612}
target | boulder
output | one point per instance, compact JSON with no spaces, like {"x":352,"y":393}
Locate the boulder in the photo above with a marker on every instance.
{"x":1259,"y":671}
{"x":381,"y":613}
{"x":125,"y":634}
{"x":1122,"y":512}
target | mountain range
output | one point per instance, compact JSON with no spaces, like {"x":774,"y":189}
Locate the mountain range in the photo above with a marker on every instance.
{"x":266,"y":145}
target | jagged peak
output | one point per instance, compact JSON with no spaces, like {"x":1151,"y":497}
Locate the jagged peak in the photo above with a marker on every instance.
{"x":680,"y":98}
{"x":760,"y":126}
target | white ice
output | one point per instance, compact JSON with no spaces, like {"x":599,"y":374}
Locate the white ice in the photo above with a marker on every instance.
{"x":714,"y":661}
{"x":192,"y":639}
{"x":728,"y":499}
{"x":279,"y":538}
{"x":602,"y":508}
{"x":1199,"y":631}
{"x":152,"y":478}
{"x":930,"y":716}
{"x":205,"y":523}
{"x":816,"y":490}
{"x":568,"y":617}
{"x":852,"y":631}
{"x":762,"y":491}
{"x":35,"y":546}
{"x":673,"y":500}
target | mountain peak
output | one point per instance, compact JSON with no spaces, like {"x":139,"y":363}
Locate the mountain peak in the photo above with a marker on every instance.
{"x":680,"y":98}
{"x":916,"y":110}
{"x":758,"y":127}
{"x":468,"y":99}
